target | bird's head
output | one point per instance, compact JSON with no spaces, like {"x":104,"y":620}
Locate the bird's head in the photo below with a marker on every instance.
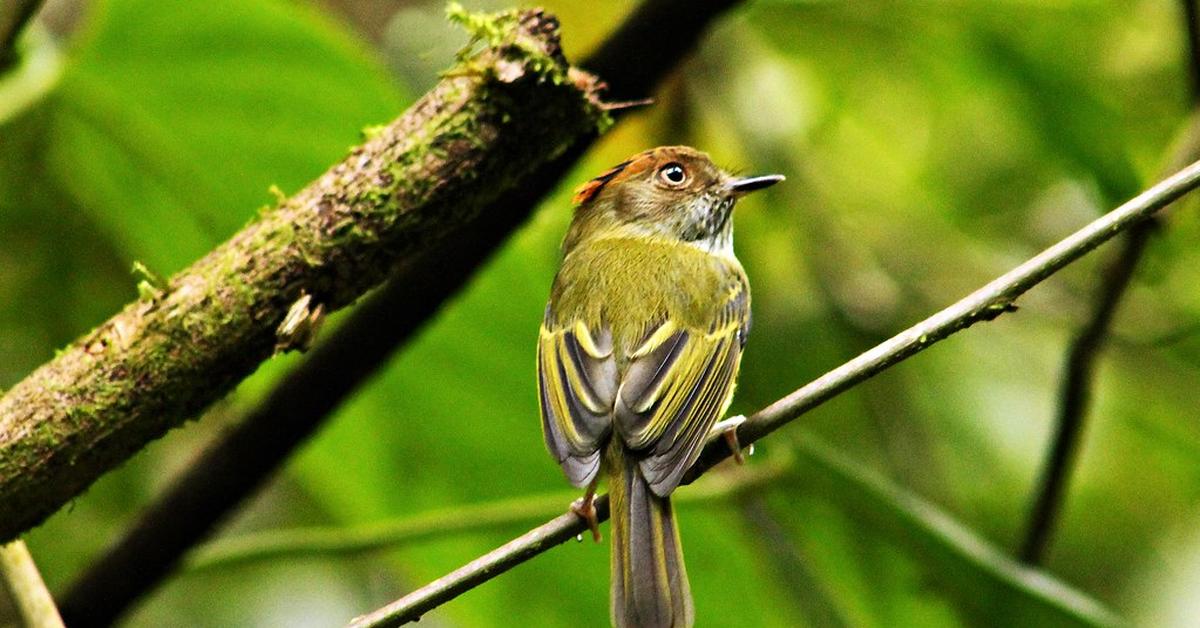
{"x":670,"y":192}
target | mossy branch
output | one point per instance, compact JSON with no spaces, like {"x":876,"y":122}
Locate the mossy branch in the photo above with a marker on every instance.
{"x":496,"y":116}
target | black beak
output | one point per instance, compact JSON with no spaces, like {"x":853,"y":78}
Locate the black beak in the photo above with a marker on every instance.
{"x":750,"y":184}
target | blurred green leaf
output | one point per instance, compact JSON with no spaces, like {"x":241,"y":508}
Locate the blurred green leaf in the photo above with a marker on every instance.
{"x":981,"y":578}
{"x":173,"y":120}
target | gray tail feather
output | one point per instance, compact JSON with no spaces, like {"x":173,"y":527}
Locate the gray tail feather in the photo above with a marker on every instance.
{"x":649,"y":581}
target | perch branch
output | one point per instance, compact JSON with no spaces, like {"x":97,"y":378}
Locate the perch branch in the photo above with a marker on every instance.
{"x":225,"y":474}
{"x":500,"y":113}
{"x":1079,"y":368}
{"x":984,"y":304}
{"x":29,"y":595}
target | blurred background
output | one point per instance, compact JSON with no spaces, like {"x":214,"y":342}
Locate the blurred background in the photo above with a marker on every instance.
{"x":929,"y":146}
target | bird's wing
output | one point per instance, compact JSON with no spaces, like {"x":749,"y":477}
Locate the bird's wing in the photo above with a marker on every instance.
{"x":577,"y":381}
{"x":678,"y":382}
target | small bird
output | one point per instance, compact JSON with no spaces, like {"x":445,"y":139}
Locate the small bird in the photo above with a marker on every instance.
{"x":637,"y":357}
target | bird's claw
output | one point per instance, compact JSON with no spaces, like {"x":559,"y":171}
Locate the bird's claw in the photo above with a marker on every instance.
{"x":585,"y":508}
{"x":727,"y":429}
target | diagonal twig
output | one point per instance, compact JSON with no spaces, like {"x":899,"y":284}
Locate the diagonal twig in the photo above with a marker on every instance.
{"x":1078,"y":374}
{"x":986,"y":303}
{"x":1076,"y":392}
{"x":19,"y":576}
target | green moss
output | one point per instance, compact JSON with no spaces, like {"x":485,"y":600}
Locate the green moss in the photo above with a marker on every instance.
{"x":150,"y":285}
{"x":500,"y":32}
{"x":489,"y":29}
{"x":278,"y":194}
{"x":372,"y":131}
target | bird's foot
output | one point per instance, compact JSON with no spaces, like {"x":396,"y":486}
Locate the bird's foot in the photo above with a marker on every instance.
{"x":727,"y":429}
{"x":585,"y":508}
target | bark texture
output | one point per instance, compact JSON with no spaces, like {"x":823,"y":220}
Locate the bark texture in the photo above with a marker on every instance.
{"x":496,"y":116}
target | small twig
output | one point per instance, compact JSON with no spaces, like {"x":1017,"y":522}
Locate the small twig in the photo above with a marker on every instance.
{"x":793,"y":570}
{"x":986,"y":303}
{"x":14,"y":15}
{"x":24,"y":585}
{"x":1078,"y":379}
{"x":1076,"y":393}
{"x":484,"y":517}
{"x":410,"y":607}
{"x":1191,"y":24}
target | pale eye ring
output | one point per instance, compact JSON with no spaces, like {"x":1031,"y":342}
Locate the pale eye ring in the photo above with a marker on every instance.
{"x":673,"y":174}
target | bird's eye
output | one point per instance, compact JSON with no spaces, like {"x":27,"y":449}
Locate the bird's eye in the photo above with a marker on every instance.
{"x":672,"y":174}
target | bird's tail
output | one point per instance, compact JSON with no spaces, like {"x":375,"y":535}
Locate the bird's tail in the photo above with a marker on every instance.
{"x":649,"y":582}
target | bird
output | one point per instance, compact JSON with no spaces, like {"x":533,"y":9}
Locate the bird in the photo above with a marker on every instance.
{"x":638,"y":354}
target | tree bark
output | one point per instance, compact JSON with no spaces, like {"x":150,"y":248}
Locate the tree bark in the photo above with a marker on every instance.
{"x":498,"y":115}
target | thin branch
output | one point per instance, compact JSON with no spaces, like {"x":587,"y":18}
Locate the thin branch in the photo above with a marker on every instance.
{"x":243,"y":459}
{"x":1078,"y":379}
{"x":411,"y":607}
{"x":492,"y":120}
{"x":14,"y":16}
{"x":474,"y":518}
{"x":1076,"y":393}
{"x":21,"y":579}
{"x":984,"y":304}
{"x":1191,"y":25}
{"x":775,"y":546}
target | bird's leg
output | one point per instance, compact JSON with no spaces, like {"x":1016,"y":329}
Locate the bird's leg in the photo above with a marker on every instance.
{"x":585,"y":507}
{"x":727,"y":429}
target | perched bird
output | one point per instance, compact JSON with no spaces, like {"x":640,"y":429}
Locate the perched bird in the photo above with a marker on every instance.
{"x":638,"y":353}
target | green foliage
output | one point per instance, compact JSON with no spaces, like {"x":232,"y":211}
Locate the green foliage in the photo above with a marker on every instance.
{"x":928,"y":147}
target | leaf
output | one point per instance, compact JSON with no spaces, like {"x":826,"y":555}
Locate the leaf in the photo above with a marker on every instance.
{"x":175,"y":118}
{"x":969,"y":569}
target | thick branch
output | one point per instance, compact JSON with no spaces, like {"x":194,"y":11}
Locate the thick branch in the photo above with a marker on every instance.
{"x":986,"y":303}
{"x":238,"y":464}
{"x":29,"y":595}
{"x":497,"y":116}
{"x":1079,"y":368}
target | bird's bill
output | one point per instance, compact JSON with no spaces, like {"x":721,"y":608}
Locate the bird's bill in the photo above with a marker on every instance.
{"x":750,"y":184}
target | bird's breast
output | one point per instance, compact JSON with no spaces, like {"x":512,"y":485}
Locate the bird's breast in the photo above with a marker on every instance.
{"x":631,"y":285}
